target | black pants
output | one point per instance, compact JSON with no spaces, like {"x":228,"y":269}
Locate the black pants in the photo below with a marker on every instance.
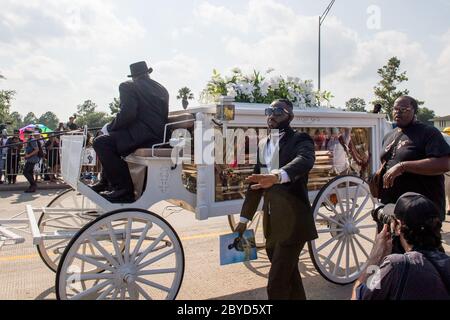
{"x":28,"y":172}
{"x":12,"y":167}
{"x":285,"y":281}
{"x":115,"y":169}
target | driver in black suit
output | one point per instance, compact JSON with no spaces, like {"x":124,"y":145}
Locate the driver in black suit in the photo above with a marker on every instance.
{"x":282,"y":180}
{"x":144,"y":111}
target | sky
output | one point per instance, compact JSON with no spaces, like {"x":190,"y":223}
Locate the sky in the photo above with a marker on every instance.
{"x":58,"y":53}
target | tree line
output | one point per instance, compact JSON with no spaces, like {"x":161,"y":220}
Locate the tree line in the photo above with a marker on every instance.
{"x":86,"y":114}
{"x":386,"y":92}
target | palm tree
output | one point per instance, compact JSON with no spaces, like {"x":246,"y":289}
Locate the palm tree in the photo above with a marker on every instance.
{"x":185,"y":94}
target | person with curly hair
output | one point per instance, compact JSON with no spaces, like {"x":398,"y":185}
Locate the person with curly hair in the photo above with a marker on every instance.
{"x":423,"y":272}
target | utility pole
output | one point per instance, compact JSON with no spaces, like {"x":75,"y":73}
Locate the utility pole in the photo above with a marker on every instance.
{"x":321,"y":21}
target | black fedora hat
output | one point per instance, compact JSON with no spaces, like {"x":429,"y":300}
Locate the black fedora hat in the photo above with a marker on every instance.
{"x":139,"y":68}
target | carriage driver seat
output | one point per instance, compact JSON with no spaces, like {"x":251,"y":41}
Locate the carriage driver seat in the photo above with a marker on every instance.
{"x":138,"y":171}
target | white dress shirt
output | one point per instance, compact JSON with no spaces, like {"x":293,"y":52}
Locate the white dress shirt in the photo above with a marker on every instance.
{"x":272,"y":146}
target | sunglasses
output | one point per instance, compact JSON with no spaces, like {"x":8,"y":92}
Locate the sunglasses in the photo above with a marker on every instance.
{"x":402,"y":109}
{"x":276,"y":112}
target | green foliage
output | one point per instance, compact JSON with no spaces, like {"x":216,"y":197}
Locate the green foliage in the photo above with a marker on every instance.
{"x":50,"y":120}
{"x":6,"y":96}
{"x":86,"y":108}
{"x":16,"y":121}
{"x":425,"y":115}
{"x":185,"y":94}
{"x":94,"y":120}
{"x":387,"y":91}
{"x":115,"y":106}
{"x":356,"y":105}
{"x":30,"y":118}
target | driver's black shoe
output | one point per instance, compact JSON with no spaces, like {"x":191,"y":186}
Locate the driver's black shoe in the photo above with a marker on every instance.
{"x":119,"y":196}
{"x":100,"y":186}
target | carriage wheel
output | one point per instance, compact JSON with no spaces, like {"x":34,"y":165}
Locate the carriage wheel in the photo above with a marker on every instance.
{"x":342,"y":212}
{"x":149,"y":267}
{"x":50,"y":251}
{"x":256,"y":224}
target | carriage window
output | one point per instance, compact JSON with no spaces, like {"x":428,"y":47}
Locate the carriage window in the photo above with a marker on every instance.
{"x":339,"y":151}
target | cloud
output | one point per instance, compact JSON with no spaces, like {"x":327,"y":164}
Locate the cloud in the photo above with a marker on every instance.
{"x":287,"y":41}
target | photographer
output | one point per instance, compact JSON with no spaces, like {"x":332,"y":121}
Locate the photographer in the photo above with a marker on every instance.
{"x":423,"y":272}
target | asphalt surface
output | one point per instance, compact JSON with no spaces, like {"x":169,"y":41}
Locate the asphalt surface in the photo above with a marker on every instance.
{"x":24,"y":276}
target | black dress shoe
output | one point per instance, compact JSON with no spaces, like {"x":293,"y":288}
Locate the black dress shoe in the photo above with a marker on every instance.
{"x":101,"y":187}
{"x":119,"y":196}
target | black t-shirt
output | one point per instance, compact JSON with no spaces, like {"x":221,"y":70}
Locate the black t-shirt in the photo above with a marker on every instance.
{"x":417,"y":142}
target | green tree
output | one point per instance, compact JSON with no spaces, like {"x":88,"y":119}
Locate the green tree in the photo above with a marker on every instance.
{"x":94,"y":120}
{"x":425,"y":115}
{"x":185,"y":94}
{"x":115,"y":106}
{"x":6,"y":96}
{"x":356,"y":105}
{"x":30,"y":118}
{"x":16,"y":120}
{"x":86,"y":108}
{"x":50,"y":120}
{"x":387,"y":91}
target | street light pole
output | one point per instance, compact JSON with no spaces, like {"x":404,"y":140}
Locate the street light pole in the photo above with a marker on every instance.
{"x":321,"y":20}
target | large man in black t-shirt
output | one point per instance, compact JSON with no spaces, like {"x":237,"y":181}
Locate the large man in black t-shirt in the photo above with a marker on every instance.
{"x":417,"y":157}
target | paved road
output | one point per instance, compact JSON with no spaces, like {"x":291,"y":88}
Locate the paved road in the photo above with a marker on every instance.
{"x":24,"y":276}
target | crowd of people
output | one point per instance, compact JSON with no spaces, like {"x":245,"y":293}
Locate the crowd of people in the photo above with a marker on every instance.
{"x":37,"y":156}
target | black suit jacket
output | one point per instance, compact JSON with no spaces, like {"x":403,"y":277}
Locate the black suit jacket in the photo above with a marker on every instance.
{"x":288,"y":218}
{"x":144,"y":111}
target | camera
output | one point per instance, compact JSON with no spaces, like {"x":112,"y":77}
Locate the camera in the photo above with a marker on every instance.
{"x":381,"y":217}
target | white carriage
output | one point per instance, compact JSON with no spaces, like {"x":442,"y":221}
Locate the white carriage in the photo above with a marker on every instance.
{"x":101,"y":250}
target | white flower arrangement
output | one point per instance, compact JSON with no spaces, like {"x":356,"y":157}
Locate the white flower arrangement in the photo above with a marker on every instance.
{"x":259,"y":88}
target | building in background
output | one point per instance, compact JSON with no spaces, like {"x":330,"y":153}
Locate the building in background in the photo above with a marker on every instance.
{"x":441,"y":123}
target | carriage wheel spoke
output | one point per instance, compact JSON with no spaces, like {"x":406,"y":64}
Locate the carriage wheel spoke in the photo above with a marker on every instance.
{"x":362,"y":207}
{"x":143,"y":292}
{"x":127,"y":240}
{"x":140,"y":241}
{"x":150,"y":248}
{"x":364,"y":217}
{"x":327,"y":261}
{"x":96,"y":276}
{"x":94,"y":289}
{"x":369,"y":226}
{"x":106,"y":293}
{"x":328,"y":202}
{"x":113,"y":238}
{"x":361,"y":247}
{"x":366,"y":238}
{"x":103,"y":251}
{"x":326,"y":244}
{"x":153,"y":284}
{"x":347,"y":258}
{"x":330,"y":219}
{"x":156,"y":271}
{"x":94,"y":262}
{"x":338,"y":262}
{"x":157,"y":258}
{"x":57,"y":244}
{"x":339,"y":201}
{"x":329,"y":230}
{"x":355,"y":254}
{"x":355,"y":202}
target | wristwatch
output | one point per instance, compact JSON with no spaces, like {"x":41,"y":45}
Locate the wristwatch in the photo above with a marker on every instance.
{"x":277,"y":173}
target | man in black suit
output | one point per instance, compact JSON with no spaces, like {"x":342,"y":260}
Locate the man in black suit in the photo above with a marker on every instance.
{"x":289,"y":156}
{"x":144,"y":111}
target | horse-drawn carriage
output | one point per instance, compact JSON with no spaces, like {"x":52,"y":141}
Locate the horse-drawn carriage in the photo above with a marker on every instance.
{"x":101,"y":250}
